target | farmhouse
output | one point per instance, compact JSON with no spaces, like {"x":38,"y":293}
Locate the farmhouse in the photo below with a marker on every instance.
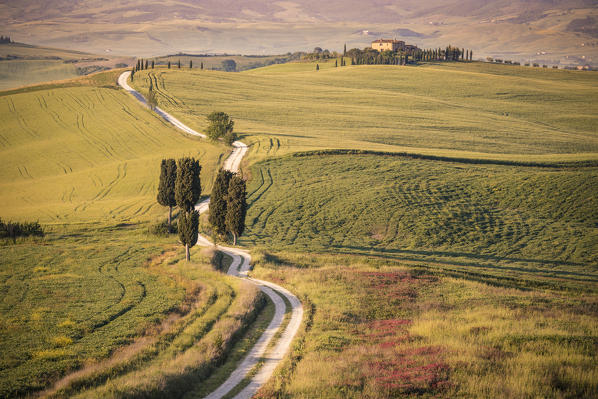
{"x":392,"y":45}
{"x":388,"y":44}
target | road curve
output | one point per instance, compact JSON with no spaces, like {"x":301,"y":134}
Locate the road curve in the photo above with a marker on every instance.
{"x":240,"y":267}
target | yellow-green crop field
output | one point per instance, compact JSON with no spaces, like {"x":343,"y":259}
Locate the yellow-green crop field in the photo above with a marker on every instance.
{"x":463,"y":110}
{"x":87,"y":153}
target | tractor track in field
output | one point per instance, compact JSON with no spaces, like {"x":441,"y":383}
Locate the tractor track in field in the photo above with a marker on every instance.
{"x":239,"y":268}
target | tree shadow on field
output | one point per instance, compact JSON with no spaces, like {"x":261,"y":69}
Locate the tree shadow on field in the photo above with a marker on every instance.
{"x":403,"y":254}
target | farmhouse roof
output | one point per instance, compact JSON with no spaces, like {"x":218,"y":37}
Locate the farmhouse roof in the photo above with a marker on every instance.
{"x":386,"y":41}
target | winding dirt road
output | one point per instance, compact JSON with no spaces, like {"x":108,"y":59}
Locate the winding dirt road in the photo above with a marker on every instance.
{"x":240,"y":268}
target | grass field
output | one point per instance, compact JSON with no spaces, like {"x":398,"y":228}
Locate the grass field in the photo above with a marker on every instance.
{"x":381,"y":329}
{"x":214,"y":62}
{"x":524,"y":222}
{"x":87,"y":152}
{"x":468,"y":110}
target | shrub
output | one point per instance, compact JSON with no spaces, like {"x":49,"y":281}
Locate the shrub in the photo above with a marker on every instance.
{"x":160,"y":229}
{"x":13,"y":230}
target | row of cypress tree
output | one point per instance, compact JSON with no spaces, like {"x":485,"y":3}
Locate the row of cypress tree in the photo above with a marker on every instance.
{"x":180,"y":185}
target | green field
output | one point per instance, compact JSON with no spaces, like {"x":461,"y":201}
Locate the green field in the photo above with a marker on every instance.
{"x":524,"y":221}
{"x":420,"y":276}
{"x":462,"y":110}
{"x":214,"y":62}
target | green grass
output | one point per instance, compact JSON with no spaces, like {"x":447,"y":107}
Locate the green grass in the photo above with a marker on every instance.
{"x":469,"y":110}
{"x":16,"y":73}
{"x":88,"y":152}
{"x":488,"y":219}
{"x":75,"y":296}
{"x":383,"y":329}
{"x":243,"y":62}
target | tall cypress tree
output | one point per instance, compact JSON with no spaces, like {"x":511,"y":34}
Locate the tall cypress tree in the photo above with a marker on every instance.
{"x":201,"y":66}
{"x":188,"y":230}
{"x":345,"y":50}
{"x":336,"y":63}
{"x":152,"y":64}
{"x":190,"y":64}
{"x":218,"y":201}
{"x":317,"y":67}
{"x":187,"y":186}
{"x":236,"y":207}
{"x":168,"y":64}
{"x":179,"y":64}
{"x":166,"y":187}
{"x":146,"y":64}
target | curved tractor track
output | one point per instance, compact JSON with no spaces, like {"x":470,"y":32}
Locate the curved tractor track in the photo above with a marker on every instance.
{"x":240,"y":268}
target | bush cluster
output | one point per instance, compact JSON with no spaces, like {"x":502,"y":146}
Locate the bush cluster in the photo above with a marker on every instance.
{"x":13,"y":230}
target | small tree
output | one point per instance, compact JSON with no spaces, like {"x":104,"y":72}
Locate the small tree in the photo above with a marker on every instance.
{"x":168,"y":64}
{"x":201,"y":66}
{"x":166,"y":187}
{"x":152,"y":64}
{"x":317,"y":67}
{"x":146,"y":64}
{"x":132,"y":74}
{"x":336,"y":63}
{"x":229,"y":65}
{"x":218,"y":201}
{"x":220,"y":125}
{"x":187,"y":186}
{"x":345,"y":50}
{"x":152,"y":100}
{"x":188,"y":230}
{"x":236,"y":207}
{"x":179,"y":64}
{"x":190,"y":64}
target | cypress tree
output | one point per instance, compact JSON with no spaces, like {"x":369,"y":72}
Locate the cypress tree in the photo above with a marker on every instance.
{"x":218,"y":201}
{"x":179,"y":64}
{"x":146,"y":64}
{"x":187,"y":186}
{"x":152,"y":64}
{"x":336,"y":63}
{"x":190,"y":64}
{"x":188,"y":230}
{"x":166,"y":187}
{"x":345,"y":50}
{"x":168,"y":64}
{"x":317,"y":67}
{"x":201,"y":66}
{"x":236,"y":207}
{"x":132,"y":74}
{"x":470,"y":55}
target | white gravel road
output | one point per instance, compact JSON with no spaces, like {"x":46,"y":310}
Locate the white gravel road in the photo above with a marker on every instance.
{"x":240,"y":268}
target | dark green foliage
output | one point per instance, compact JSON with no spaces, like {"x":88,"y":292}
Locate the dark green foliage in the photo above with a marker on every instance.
{"x":201,"y":66}
{"x":187,"y":187}
{"x":161,"y":229}
{"x":218,"y":201}
{"x":188,"y":230}
{"x":132,"y":74}
{"x":146,"y":64}
{"x":345,"y":50}
{"x":153,"y":63}
{"x":336,"y":63}
{"x":220,"y":125}
{"x":13,"y":230}
{"x":229,"y":65}
{"x":152,"y":100}
{"x":317,"y":67}
{"x":236,"y":207}
{"x":190,"y":64}
{"x":166,"y":186}
{"x":179,"y":64}
{"x":168,"y":64}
